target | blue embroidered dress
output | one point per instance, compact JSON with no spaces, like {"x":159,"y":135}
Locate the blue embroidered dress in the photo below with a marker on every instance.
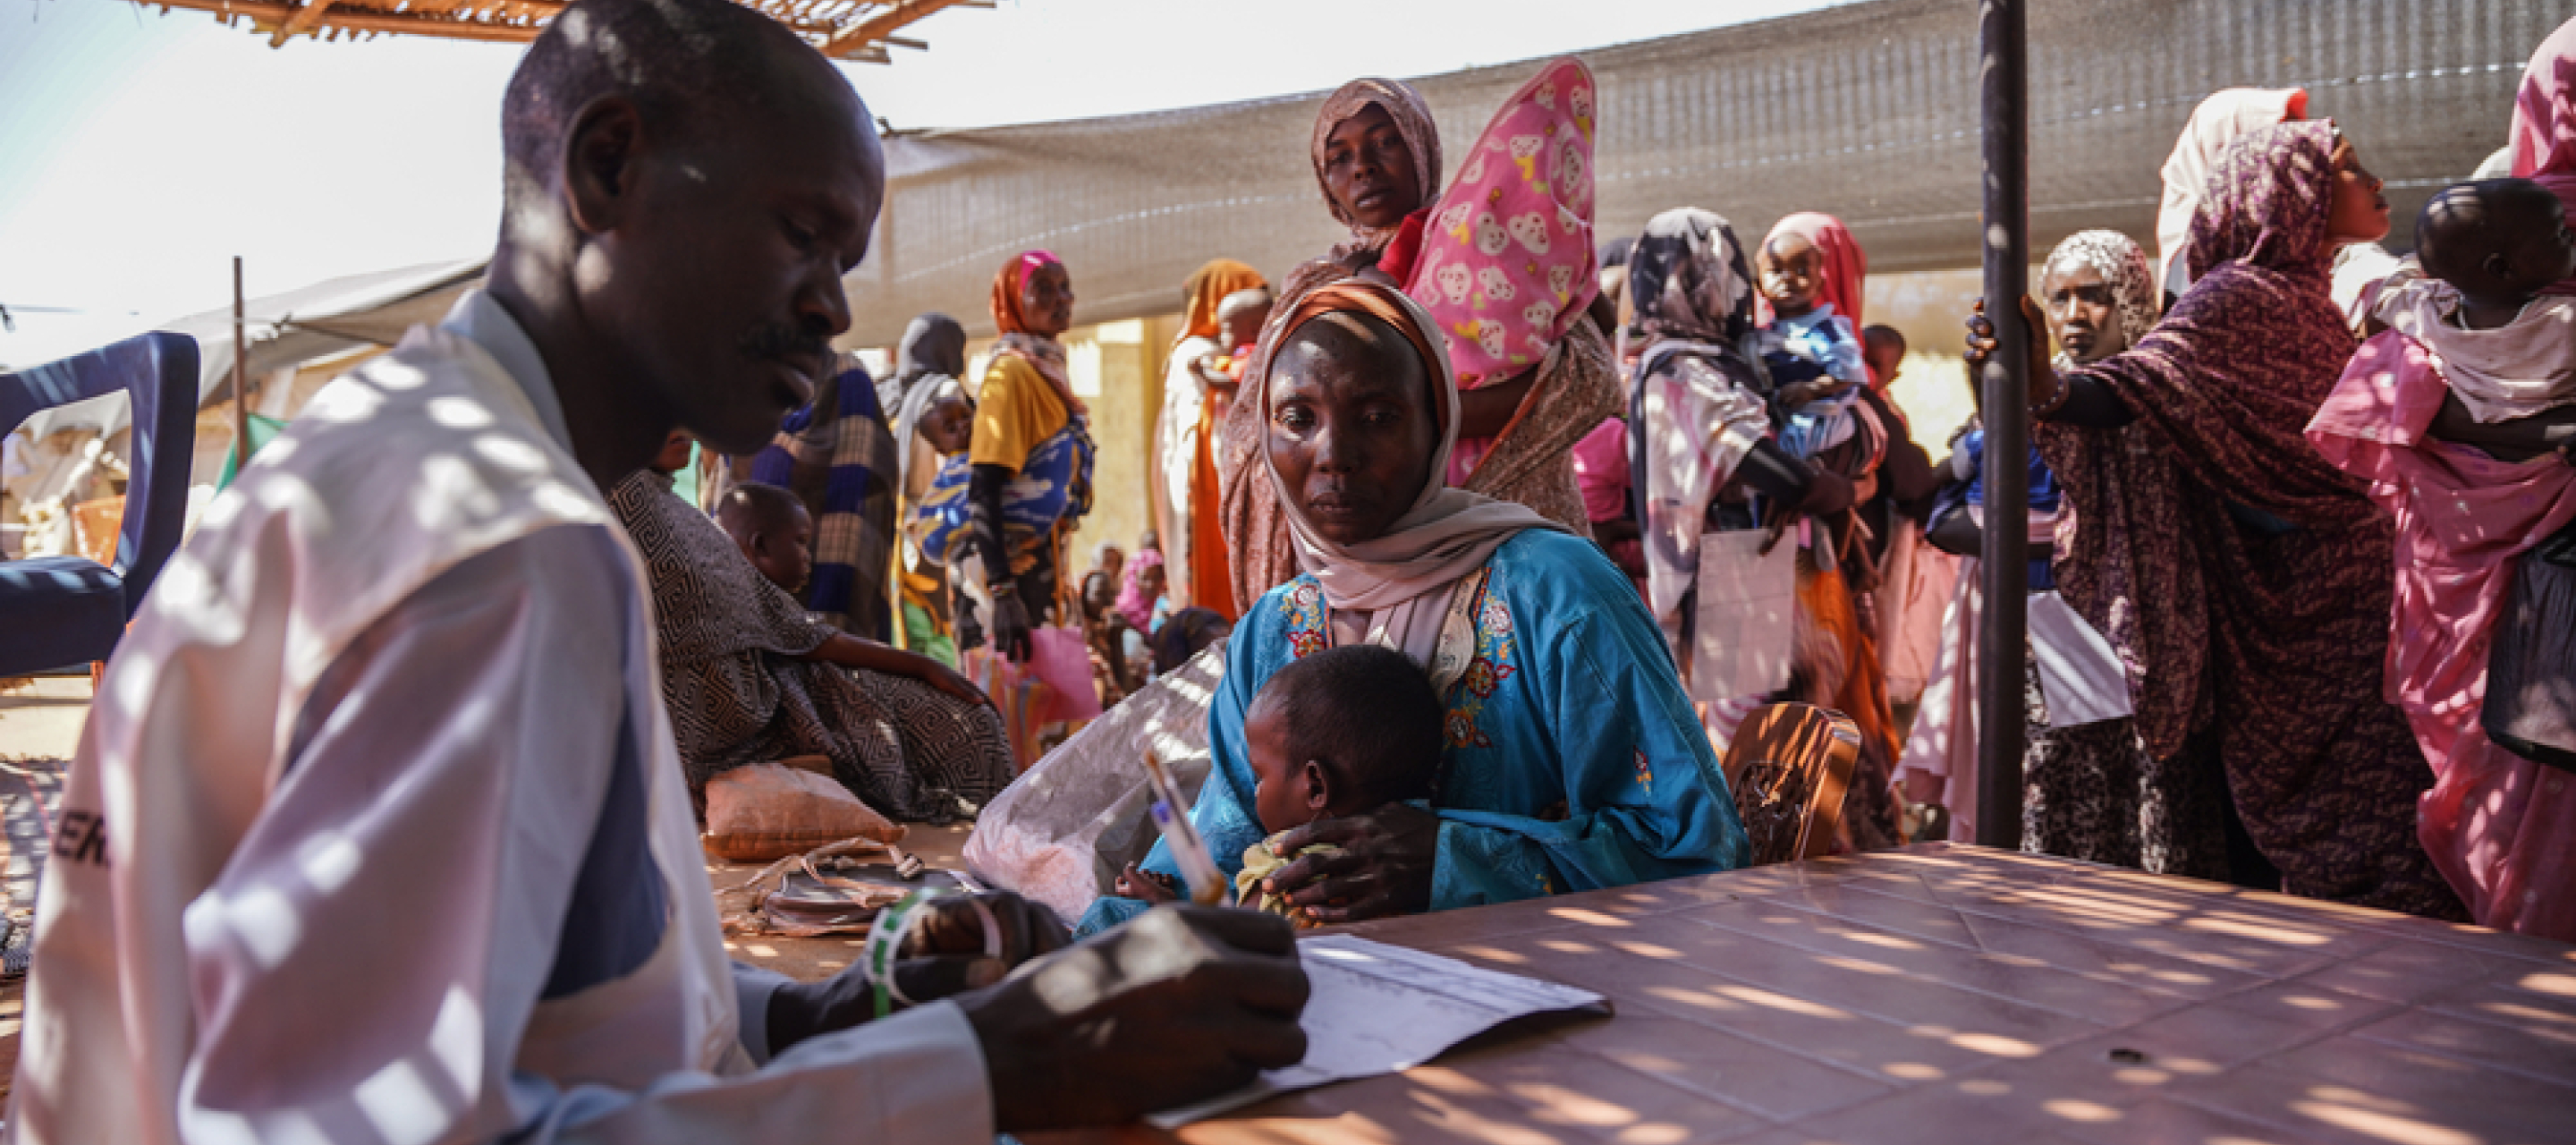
{"x":1573,"y":762}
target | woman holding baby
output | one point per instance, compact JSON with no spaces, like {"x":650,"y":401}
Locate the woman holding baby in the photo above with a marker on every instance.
{"x":2459,"y":416}
{"x":2246,"y":574}
{"x":1569,"y":757}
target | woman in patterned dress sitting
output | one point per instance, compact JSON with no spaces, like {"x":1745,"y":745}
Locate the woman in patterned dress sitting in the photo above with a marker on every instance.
{"x":1572,"y":759}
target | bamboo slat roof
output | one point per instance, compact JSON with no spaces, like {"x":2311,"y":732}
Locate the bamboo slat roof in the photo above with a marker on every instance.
{"x":859,"y":30}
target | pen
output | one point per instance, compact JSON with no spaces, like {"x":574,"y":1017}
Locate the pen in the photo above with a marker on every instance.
{"x":1198,"y":868}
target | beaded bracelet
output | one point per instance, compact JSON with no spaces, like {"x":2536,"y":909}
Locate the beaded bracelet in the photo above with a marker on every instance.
{"x":2039,"y":411}
{"x":893,"y":925}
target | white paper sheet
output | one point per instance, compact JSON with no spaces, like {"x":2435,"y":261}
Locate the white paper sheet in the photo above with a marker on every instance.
{"x":1378,"y":1009}
{"x":1747,"y":621}
{"x":2080,"y":676}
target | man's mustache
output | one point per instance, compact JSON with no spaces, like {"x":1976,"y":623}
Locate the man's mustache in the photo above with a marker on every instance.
{"x":783,"y":340}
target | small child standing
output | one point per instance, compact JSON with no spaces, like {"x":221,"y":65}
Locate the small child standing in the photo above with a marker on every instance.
{"x":2458,"y":415}
{"x":1341,"y":732}
{"x":773,"y":529}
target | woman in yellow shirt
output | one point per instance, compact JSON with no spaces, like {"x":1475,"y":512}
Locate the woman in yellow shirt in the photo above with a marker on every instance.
{"x":1028,"y":426}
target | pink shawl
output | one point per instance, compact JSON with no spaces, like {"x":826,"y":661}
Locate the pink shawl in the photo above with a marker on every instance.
{"x":1507,"y":260}
{"x":2499,"y":835}
{"x":2544,"y":122}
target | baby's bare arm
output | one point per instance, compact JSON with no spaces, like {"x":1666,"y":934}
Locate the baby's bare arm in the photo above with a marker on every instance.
{"x":2516,"y":439}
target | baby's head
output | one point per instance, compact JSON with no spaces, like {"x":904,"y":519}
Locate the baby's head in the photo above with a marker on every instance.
{"x":1341,"y":732}
{"x":2496,"y":240}
{"x":948,"y":424}
{"x":1240,"y":315}
{"x":1793,"y":274}
{"x":1883,"y":347}
{"x":772,"y":528}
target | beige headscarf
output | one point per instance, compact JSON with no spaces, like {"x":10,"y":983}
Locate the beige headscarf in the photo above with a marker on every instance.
{"x":1393,"y":589}
{"x":2214,"y":124}
{"x":1412,"y":120}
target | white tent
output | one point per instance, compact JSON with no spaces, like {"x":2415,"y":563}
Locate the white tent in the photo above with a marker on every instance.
{"x":318,"y":321}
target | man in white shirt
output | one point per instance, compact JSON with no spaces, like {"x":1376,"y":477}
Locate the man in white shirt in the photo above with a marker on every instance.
{"x":377,"y":833}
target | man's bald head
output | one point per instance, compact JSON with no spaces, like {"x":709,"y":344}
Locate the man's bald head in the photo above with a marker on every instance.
{"x":688,"y":181}
{"x":683,"y":63}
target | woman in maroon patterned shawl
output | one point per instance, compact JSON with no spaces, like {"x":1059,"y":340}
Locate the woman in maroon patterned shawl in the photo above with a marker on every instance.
{"x":2243,"y":578}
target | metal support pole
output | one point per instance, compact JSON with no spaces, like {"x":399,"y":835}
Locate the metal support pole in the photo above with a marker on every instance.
{"x":241,"y":380}
{"x":2003,"y":82}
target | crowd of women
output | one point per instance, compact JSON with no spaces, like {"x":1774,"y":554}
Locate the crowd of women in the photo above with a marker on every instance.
{"x":1614,"y":495}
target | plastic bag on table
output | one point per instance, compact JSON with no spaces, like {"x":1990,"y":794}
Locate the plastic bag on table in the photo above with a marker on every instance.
{"x":1061,"y":832}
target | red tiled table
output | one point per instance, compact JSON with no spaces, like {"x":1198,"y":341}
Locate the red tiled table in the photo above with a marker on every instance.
{"x":1948,"y":993}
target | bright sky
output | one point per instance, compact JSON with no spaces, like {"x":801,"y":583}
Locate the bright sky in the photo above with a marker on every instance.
{"x":142,"y":151}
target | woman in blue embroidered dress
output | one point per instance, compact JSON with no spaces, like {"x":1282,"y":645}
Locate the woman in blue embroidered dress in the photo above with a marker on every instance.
{"x":1573,"y":760}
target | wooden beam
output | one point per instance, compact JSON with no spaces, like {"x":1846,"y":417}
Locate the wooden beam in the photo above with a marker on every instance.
{"x":299,"y":23}
{"x":266,"y":12}
{"x":878,"y":27}
{"x":286,"y":20}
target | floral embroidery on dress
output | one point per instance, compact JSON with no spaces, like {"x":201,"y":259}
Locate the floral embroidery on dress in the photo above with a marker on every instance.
{"x":1491,"y":666}
{"x":1645,"y":773}
{"x":1304,"y":606}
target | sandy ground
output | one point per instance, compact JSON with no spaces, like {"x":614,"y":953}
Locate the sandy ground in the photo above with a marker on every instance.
{"x":42,"y":722}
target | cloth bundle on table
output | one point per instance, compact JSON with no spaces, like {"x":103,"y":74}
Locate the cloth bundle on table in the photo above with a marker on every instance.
{"x":1528,"y":805}
{"x":1506,"y":271}
{"x":2244,"y":578}
{"x":838,"y":457}
{"x":1255,"y":530}
{"x":1184,"y":474}
{"x":2502,"y":828}
{"x":729,"y":642}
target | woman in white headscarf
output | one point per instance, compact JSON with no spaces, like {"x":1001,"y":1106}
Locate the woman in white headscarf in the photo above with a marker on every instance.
{"x":2214,"y":124}
{"x":1522,"y":627}
{"x":2090,"y":791}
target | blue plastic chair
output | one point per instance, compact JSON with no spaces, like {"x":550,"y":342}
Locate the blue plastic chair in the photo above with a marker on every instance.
{"x":58,"y":612}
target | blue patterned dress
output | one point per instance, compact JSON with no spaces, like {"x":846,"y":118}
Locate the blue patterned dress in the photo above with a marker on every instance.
{"x":1573,"y":761}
